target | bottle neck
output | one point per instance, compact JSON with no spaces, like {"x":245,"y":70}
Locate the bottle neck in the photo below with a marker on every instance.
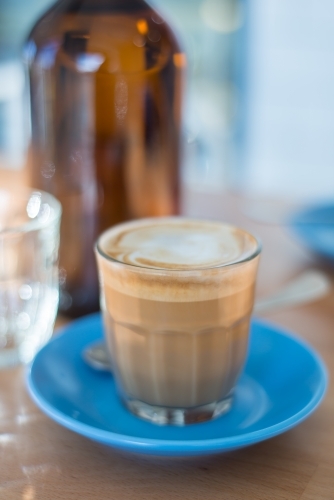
{"x":103,"y":6}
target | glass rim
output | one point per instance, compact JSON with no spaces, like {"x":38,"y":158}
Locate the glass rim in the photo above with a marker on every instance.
{"x":252,"y":255}
{"x":33,"y":224}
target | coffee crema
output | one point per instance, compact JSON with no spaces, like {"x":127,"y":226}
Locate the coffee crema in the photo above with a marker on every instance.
{"x":178,"y":298}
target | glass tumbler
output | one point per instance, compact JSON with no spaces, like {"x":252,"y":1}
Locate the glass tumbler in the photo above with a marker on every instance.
{"x":177,"y":335}
{"x":29,"y":240}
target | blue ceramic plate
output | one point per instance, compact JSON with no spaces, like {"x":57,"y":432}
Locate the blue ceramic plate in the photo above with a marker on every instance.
{"x":282,"y":384}
{"x":315,"y":228}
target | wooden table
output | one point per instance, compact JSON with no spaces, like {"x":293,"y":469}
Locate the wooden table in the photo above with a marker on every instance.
{"x":42,"y":461}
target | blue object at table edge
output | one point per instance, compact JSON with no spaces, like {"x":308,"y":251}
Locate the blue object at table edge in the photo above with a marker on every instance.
{"x":314,"y":227}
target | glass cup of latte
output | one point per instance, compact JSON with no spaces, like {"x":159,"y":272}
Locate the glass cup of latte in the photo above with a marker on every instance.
{"x":178,"y":296}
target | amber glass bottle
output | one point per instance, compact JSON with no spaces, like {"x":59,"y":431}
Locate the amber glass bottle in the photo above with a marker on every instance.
{"x":105,"y":85}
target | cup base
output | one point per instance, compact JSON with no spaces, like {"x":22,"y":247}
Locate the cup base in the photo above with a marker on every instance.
{"x":179,"y":416}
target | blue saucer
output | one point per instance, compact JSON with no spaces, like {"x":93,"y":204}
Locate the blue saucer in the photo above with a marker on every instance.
{"x":282,"y":384}
{"x":315,"y":228}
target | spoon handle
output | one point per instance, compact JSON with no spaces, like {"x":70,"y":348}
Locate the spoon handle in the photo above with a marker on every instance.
{"x":310,"y":286}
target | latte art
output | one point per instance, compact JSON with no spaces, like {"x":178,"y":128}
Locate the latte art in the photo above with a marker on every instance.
{"x":177,"y":243}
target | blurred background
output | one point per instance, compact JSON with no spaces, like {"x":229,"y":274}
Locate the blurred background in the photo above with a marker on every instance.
{"x":16,"y":19}
{"x":259,"y":111}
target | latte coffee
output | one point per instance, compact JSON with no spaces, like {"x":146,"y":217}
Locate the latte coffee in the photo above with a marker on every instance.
{"x":178,"y":297}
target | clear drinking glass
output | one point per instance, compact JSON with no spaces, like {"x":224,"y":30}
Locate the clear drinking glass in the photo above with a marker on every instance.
{"x":178,"y":337}
{"x":29,"y":240}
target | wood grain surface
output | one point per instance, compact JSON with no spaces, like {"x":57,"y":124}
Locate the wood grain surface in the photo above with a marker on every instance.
{"x":39,"y":460}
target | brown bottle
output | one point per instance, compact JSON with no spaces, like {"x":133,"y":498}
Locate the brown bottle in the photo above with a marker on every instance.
{"x":105,"y":84}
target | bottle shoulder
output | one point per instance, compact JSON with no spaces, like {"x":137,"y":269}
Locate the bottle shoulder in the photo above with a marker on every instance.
{"x":114,"y":40}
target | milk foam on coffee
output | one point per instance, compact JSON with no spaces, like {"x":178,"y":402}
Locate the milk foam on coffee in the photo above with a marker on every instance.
{"x":182,"y":248}
{"x":177,"y":244}
{"x":179,"y":294}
